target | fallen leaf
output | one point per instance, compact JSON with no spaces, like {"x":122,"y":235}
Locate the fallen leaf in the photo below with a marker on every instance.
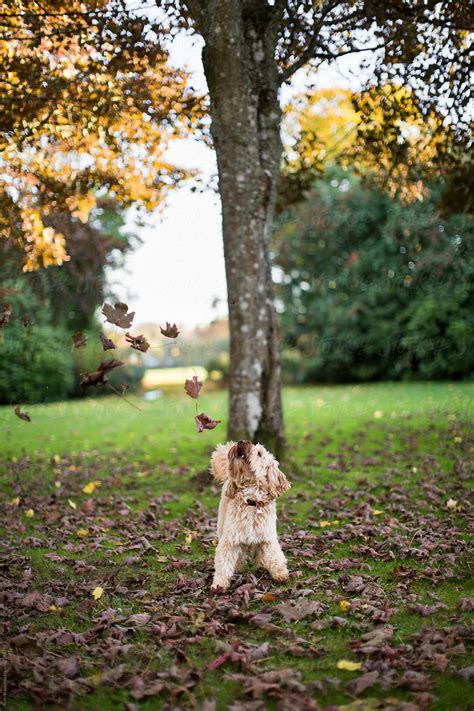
{"x":30,"y":513}
{"x":171,"y":330}
{"x":97,"y":592}
{"x":344,"y":605}
{"x":204,"y":422}
{"x":269,"y":597}
{"x":361,"y":683}
{"x":348,"y":665}
{"x":78,"y":340}
{"x":139,"y":343}
{"x":72,"y":504}
{"x":15,"y":501}
{"x":82,"y":532}
{"x":91,"y":487}
{"x":107,"y":343}
{"x":118,"y":315}
{"x":22,"y":415}
{"x":192,"y":387}
{"x":301,"y":608}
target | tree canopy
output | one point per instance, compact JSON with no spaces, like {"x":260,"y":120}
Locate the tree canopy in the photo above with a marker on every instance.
{"x":89,"y":105}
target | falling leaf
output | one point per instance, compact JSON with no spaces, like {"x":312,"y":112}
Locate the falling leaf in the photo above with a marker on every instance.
{"x":344,"y":605}
{"x":349,"y":666}
{"x":139,"y":343}
{"x":91,"y":487}
{"x":5,"y":317}
{"x":97,"y":377}
{"x":30,"y":513}
{"x":171,"y":330}
{"x":107,"y":343}
{"x":97,"y":593}
{"x":118,"y":315}
{"x":378,"y":414}
{"x":22,"y":415}
{"x":78,"y":340}
{"x":72,"y":504}
{"x":82,"y":532}
{"x":192,"y":387}
{"x":204,"y":422}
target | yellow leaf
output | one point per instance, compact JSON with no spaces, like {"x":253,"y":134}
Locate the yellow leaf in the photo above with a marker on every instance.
{"x":82,"y":532}
{"x":72,"y":504}
{"x":348,"y":666}
{"x":91,"y":487}
{"x":97,"y":592}
{"x":53,"y":608}
{"x":344,"y":605}
{"x":376,"y":512}
{"x":15,"y":501}
{"x":30,"y":513}
{"x":57,"y":484}
{"x":323,"y":524}
{"x":378,"y":414}
{"x":188,"y":539}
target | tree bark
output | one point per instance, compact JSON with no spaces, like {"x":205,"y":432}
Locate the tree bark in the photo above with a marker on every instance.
{"x":240,"y":67}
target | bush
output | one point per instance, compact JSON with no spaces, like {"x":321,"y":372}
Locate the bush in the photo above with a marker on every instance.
{"x":371,"y":288}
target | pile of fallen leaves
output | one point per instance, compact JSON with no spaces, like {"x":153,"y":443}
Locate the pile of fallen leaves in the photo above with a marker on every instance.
{"x":105,"y":587}
{"x":119,"y":315}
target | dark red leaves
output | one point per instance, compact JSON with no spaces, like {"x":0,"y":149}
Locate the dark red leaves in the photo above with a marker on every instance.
{"x":118,"y":315}
{"x":192,"y":387}
{"x":204,"y":422}
{"x":139,"y":343}
{"x":107,"y":343}
{"x":7,"y":312}
{"x":97,"y":377}
{"x":22,"y":415}
{"x":78,"y":340}
{"x":171,"y":330}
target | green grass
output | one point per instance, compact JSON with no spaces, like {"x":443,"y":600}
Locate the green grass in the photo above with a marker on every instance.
{"x":402,"y":450}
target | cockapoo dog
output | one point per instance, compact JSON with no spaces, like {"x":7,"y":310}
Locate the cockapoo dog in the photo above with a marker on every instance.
{"x":247,"y":513}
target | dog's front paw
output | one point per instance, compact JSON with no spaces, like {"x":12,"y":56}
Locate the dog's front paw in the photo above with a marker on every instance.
{"x":220,"y":586}
{"x":281,"y":575}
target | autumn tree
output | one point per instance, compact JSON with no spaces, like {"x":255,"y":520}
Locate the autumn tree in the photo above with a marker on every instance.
{"x":251,"y":48}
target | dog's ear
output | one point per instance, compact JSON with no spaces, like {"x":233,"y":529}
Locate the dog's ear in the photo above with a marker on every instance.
{"x":230,"y":489}
{"x":219,"y":462}
{"x":277,"y":481}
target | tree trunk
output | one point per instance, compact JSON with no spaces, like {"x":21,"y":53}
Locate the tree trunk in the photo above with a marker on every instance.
{"x":240,"y":68}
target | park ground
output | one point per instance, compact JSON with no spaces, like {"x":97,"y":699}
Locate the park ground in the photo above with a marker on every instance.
{"x":108,"y":533}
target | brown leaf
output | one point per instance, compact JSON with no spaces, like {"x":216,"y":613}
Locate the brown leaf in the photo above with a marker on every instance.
{"x":301,"y":608}
{"x":7,"y":312}
{"x":171,"y":330}
{"x":68,"y":666}
{"x":97,"y":377}
{"x":26,"y":321}
{"x":78,"y":340}
{"x":107,"y":343}
{"x":118,"y":315}
{"x":204,"y":422}
{"x":138,"y":342}
{"x":22,"y":415}
{"x":192,"y":387}
{"x":361,"y":683}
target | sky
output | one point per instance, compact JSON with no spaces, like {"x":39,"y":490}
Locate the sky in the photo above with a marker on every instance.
{"x":177,"y":273}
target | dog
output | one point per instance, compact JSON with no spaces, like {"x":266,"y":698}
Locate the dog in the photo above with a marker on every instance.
{"x":246,"y":521}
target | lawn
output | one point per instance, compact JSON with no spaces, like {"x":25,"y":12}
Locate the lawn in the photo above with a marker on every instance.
{"x":98,"y":497}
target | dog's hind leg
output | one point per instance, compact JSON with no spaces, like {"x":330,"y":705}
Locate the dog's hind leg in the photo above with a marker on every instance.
{"x":270,"y":556}
{"x":227,"y":555}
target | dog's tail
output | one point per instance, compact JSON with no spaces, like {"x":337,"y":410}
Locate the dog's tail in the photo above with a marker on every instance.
{"x":219,"y":462}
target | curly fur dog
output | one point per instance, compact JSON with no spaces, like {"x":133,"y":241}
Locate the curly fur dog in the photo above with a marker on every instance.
{"x":247,"y":513}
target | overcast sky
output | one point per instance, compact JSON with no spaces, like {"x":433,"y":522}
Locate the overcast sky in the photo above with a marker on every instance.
{"x":178,"y":271}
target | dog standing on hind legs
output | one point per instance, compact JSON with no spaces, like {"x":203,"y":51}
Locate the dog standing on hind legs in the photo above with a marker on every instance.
{"x":246,"y":522}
